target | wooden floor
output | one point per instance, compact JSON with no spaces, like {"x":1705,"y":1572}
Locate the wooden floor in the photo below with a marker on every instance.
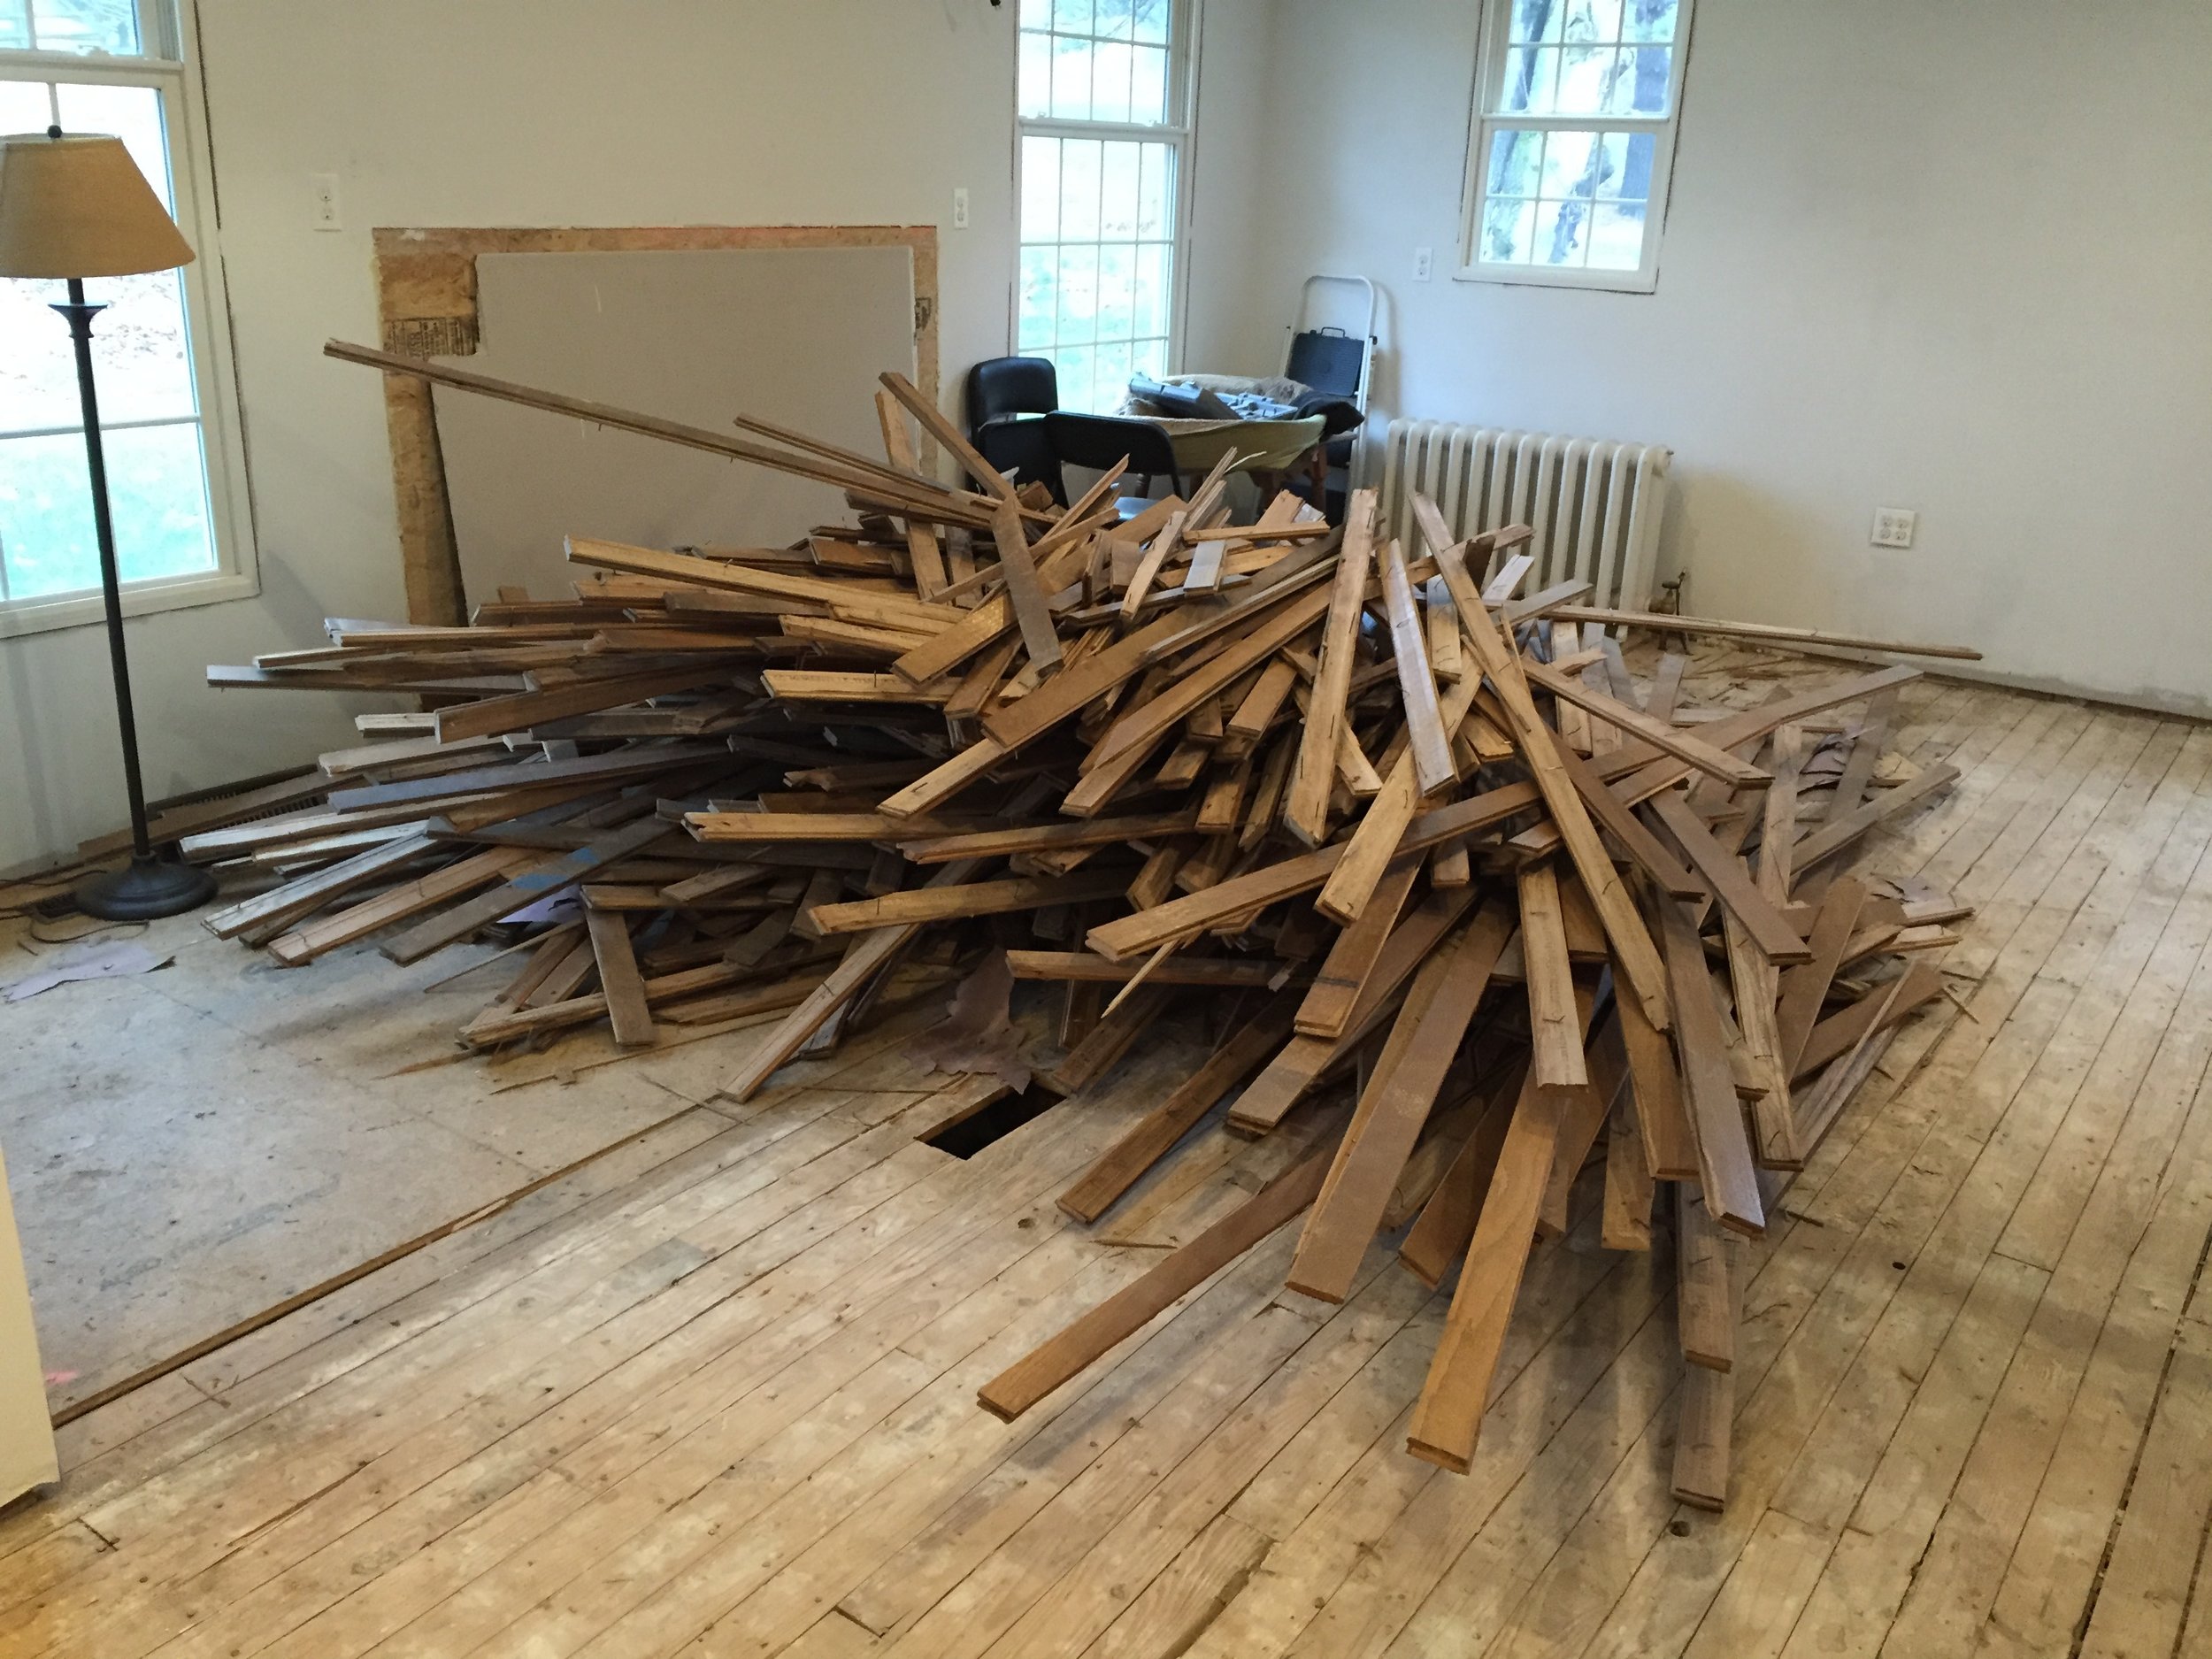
{"x":713,"y":1394}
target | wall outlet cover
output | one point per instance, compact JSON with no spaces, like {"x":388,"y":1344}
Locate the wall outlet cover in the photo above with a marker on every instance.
{"x":1894,"y":526}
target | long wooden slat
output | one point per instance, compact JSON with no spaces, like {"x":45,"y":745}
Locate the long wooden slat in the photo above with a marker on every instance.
{"x":1029,"y":1379}
{"x":1666,"y":623}
{"x":304,"y":943}
{"x":1555,"y":1023}
{"x":1669,"y":740}
{"x":1326,"y":1010}
{"x":1437,"y":1241}
{"x":1831,"y":838}
{"x":1394,"y":1107}
{"x":1427,"y":731}
{"x":973,"y":898}
{"x":1723,"y":873}
{"x":1306,"y":811}
{"x":1729,"y":1183}
{"x":1805,"y":988}
{"x":619,"y":980}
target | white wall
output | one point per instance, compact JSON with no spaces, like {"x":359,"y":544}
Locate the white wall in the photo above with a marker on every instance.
{"x":1955,"y":257}
{"x":503,"y":113}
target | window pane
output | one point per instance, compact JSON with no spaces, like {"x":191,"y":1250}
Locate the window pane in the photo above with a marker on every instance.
{"x":134,"y":115}
{"x":155,"y":484}
{"x":1036,"y":14}
{"x":1040,"y":189}
{"x":1514,"y":158}
{"x":1072,"y":17}
{"x":1071,"y":79}
{"x":1155,"y":192}
{"x":1151,"y":19}
{"x":1650,"y":20}
{"x":1536,"y":19}
{"x":1560,"y":232}
{"x":1110,"y":83}
{"x":1639,"y":83}
{"x":1149,"y":357}
{"x":1079,"y":163}
{"x":1039,"y":299}
{"x":1155,"y":270}
{"x":1509,"y":232}
{"x":1532,"y":81}
{"x":1569,"y":159}
{"x":86,"y":26}
{"x":15,"y":32}
{"x":1116,"y":317}
{"x":1113,"y":375}
{"x":1147,"y":84}
{"x":1118,"y":192}
{"x":1617,"y":237}
{"x":1593,"y":21}
{"x":1114,"y":19}
{"x":1034,"y":79}
{"x":1076,"y":366}
{"x":1079,"y":293}
{"x":1585,"y":74}
{"x":1630,"y":175}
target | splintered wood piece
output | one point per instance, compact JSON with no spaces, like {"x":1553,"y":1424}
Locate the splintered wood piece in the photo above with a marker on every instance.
{"x":1614,"y":819}
{"x":620,"y":980}
{"x":921,"y":541}
{"x":1447,"y":1418}
{"x":1757,"y":986}
{"x":1840,"y":1032}
{"x":1305,"y":812}
{"x":1841,"y":833}
{"x":1375,"y":839}
{"x":1729,"y":1183}
{"x":1326,"y":1010}
{"x":1581,"y":1116}
{"x":1805,"y":988}
{"x":1634,"y":955}
{"x":974,"y":898}
{"x":1032,"y":614}
{"x":1818,"y":1107}
{"x":1394,"y":1107}
{"x":1429,"y":734}
{"x":1091,"y":969}
{"x":537,"y":880}
{"x":846,"y":981}
{"x":1555,"y":1023}
{"x":1703,"y":1309}
{"x":1029,"y":1379}
{"x":1778,"y":820}
{"x":1724,"y":874}
{"x":1106,"y":1043}
{"x":1625,"y":1224}
{"x":1667,"y":738}
{"x":1866,"y":750}
{"x":1304,"y":1061}
{"x":1663,"y":1123}
{"x":1439,"y":1238}
{"x":1154,"y":1134}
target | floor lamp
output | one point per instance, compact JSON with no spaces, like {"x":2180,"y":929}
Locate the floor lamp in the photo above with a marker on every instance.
{"x":75,"y":206}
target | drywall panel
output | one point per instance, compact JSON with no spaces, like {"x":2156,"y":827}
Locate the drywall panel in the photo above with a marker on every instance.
{"x":794,"y":336}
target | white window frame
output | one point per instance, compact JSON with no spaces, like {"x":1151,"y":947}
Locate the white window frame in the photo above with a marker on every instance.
{"x":1178,"y":132}
{"x":1495,"y":38}
{"x":168,"y":31}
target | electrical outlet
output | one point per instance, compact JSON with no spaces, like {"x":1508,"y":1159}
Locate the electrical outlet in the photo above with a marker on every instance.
{"x":960,"y":208}
{"x":323,"y":210}
{"x":1424,"y":259}
{"x":1894,"y":526}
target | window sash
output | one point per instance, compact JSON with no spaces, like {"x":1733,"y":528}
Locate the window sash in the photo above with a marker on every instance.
{"x":216,"y":414}
{"x":1487,"y":119}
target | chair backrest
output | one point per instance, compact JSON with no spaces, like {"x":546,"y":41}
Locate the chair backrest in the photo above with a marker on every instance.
{"x":1327,"y":360}
{"x":1099,"y":440}
{"x":1010,"y":386}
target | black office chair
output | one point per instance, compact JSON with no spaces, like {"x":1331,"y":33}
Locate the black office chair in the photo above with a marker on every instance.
{"x":1099,"y":440}
{"x":1005,"y":396}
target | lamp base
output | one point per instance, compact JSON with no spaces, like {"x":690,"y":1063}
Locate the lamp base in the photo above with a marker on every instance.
{"x":143,"y":889}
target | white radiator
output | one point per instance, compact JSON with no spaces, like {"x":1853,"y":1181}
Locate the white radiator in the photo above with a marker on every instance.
{"x":1595,"y":505}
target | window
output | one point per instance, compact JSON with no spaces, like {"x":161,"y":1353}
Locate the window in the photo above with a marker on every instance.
{"x":1575,"y":111}
{"x":175,"y":479}
{"x":1103,"y":95}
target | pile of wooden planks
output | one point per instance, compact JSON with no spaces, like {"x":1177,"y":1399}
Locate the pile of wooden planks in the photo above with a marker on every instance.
{"x":1471,"y":910}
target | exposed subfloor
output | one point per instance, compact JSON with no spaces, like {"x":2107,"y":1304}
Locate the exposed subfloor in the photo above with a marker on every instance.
{"x":712,"y":1393}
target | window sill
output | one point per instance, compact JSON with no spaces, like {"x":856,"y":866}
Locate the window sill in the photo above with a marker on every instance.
{"x":1537,"y":277}
{"x":78,"y":610}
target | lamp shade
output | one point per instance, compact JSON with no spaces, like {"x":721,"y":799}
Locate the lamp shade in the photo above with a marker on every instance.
{"x":77,"y":205}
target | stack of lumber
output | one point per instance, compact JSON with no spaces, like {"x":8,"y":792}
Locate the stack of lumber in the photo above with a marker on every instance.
{"x":1469,"y":910}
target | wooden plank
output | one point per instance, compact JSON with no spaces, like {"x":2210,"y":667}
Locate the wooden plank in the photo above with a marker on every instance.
{"x":1114,"y":1036}
{"x":1395,"y":1104}
{"x":1725,"y":1174}
{"x":1704,"y":1313}
{"x":973,"y":898}
{"x":1667,"y":738}
{"x":619,"y":980}
{"x":1427,"y":731}
{"x":1634,"y":955}
{"x":1032,"y":615}
{"x":1306,"y":810}
{"x":304,"y":943}
{"x":847,"y":980}
{"x":1437,"y":1241}
{"x":1706,"y":1418}
{"x":1555,"y":1024}
{"x":1029,"y":1379}
{"x":1840,"y":1032}
{"x":922,"y":548}
{"x":1724,"y":874}
{"x":1757,"y":984}
{"x":1625,"y":1224}
{"x":1832,"y":837}
{"x":1145,"y":1142}
{"x":1614,"y":819}
{"x":1661,"y":1117}
{"x":1581,"y":1116}
{"x":1850,"y":791}
{"x":1047,"y":838}
{"x":1087,"y":968}
{"x":1375,"y":839}
{"x":1448,"y":1417}
{"x":1763,"y":632}
{"x":310,"y":892}
{"x":1326,"y":1010}
{"x":843,"y":596}
{"x":1805,"y":988}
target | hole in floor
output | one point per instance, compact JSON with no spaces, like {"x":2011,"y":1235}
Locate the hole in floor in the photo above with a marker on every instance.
{"x":965,"y":1136}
